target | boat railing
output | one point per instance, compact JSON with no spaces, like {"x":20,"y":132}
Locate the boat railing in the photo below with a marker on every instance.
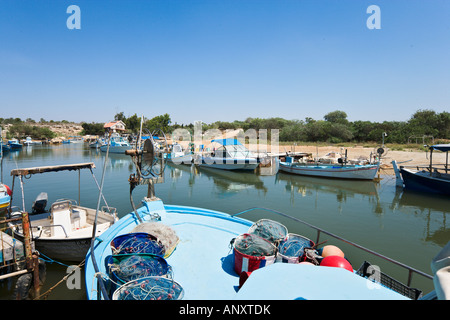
{"x":320,"y":231}
{"x":40,"y":228}
{"x":426,"y":167}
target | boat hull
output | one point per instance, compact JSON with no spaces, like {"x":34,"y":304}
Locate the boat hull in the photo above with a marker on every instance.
{"x":228,"y":164}
{"x":423,"y":182}
{"x":70,"y":250}
{"x":366,"y":172}
{"x":184,"y":159}
{"x":115,"y":149}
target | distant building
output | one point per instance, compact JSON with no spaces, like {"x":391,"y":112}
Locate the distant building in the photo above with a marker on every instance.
{"x":115,"y":126}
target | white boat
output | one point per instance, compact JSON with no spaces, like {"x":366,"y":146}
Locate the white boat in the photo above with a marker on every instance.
{"x":179,"y":156}
{"x":338,"y":171}
{"x":64,"y":232}
{"x":118,"y":144}
{"x":28,"y":141}
{"x":97,"y":143}
{"x":230,"y":155}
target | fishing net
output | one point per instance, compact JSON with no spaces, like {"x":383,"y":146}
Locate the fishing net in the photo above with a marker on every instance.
{"x":124,"y":268}
{"x":270,"y":230}
{"x":252,"y":252}
{"x":137,"y":243}
{"x":150,"y":288}
{"x":293,"y":247}
{"x":253,"y":245}
{"x":163,"y":233}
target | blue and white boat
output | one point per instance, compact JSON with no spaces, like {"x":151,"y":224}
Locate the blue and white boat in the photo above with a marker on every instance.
{"x":230,"y":155}
{"x":14,"y":144}
{"x":97,"y":143}
{"x":335,"y":171}
{"x":179,"y":156}
{"x":28,"y":141}
{"x":429,"y":179}
{"x":118,"y":144}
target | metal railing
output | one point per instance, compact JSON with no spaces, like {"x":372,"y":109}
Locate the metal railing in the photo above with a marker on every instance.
{"x":411,"y":270}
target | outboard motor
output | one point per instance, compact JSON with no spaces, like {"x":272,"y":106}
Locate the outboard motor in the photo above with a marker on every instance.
{"x":40,"y":203}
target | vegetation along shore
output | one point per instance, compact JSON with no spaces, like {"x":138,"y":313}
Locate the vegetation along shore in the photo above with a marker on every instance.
{"x":404,"y":140}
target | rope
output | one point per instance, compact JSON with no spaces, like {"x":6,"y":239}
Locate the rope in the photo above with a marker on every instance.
{"x":46,"y":294}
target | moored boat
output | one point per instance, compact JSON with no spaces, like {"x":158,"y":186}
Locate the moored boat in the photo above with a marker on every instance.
{"x":65,"y":231}
{"x":230,"y":155}
{"x":118,"y":144}
{"x":179,"y":156}
{"x":14,"y":144}
{"x":335,"y":171}
{"x":28,"y":141}
{"x":429,"y":179}
{"x":5,"y":196}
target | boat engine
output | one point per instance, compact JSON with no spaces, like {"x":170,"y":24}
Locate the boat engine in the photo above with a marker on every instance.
{"x":40,"y":203}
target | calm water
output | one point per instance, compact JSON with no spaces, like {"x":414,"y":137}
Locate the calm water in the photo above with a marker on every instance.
{"x":408,"y":227}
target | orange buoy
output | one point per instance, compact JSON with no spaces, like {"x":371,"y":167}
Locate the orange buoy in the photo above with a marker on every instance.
{"x":337,"y":262}
{"x":331,"y":250}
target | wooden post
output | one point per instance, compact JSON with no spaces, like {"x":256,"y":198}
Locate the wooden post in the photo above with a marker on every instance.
{"x":431,"y":161}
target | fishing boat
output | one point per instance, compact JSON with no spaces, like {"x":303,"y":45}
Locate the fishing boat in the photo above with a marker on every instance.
{"x":28,"y":141}
{"x":230,"y":155}
{"x":179,"y":156}
{"x":97,"y":143}
{"x":118,"y":144}
{"x":14,"y":144}
{"x":429,"y":179}
{"x":201,"y":248}
{"x":338,"y":171}
{"x":5,"y":196}
{"x":5,"y":148}
{"x":65,"y":231}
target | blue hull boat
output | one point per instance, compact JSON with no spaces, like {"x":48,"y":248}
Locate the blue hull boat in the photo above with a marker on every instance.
{"x":204,"y":265}
{"x":433,"y":179}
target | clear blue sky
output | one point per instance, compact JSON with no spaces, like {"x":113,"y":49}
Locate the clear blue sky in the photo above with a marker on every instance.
{"x":223,"y":60}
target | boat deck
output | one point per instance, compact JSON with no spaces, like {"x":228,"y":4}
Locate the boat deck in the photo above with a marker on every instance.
{"x":202,"y":261}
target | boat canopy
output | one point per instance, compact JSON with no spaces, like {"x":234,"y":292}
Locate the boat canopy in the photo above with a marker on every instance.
{"x":227,"y":142}
{"x":441,"y":147}
{"x":68,"y":167}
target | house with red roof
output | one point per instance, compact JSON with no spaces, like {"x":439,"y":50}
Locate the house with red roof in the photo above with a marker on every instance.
{"x":115,"y":126}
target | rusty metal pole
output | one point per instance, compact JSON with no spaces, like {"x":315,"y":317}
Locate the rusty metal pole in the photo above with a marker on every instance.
{"x":36,"y":279}
{"x":27,"y":240}
{"x":31,"y":258}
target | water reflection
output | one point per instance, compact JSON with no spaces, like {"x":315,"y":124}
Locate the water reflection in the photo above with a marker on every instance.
{"x":433,"y":210}
{"x":343,"y":190}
